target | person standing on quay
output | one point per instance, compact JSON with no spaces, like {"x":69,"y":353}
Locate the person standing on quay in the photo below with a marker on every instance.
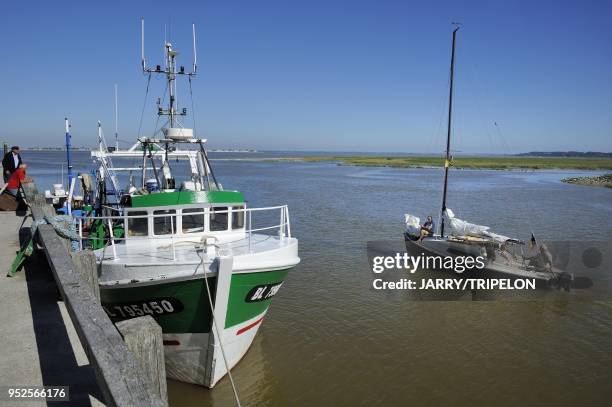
{"x":10,"y":162}
{"x":17,"y":178}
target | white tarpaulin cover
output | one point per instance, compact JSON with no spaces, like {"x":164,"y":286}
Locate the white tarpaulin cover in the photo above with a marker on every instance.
{"x":413,"y":224}
{"x":462,"y":228}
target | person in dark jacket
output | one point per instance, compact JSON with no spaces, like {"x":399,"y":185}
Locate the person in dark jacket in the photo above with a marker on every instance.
{"x":10,"y":162}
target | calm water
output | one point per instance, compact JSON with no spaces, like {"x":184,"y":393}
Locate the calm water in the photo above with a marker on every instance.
{"x":330,"y":340}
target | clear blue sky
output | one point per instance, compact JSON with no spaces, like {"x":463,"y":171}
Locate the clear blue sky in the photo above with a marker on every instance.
{"x":319,"y":75}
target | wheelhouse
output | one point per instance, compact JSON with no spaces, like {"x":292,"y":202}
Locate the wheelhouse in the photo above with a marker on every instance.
{"x":172,"y":197}
{"x":186,"y":221}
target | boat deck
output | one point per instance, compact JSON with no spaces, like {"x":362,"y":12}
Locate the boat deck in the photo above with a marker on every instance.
{"x":504,"y":263}
{"x":149,"y":259}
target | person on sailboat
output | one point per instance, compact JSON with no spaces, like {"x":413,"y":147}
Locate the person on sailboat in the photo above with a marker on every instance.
{"x":538,"y":255}
{"x":428,"y":228}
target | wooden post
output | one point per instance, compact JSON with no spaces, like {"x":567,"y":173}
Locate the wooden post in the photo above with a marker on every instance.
{"x":143,"y":337}
{"x":87,"y":266}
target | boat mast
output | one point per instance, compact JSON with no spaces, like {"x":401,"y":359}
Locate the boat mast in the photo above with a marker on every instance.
{"x":448,"y":133}
{"x":170,"y":71}
{"x":68,"y":147}
{"x":171,"y":78}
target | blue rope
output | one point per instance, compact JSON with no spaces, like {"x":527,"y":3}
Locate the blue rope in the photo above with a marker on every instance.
{"x":63,"y":226}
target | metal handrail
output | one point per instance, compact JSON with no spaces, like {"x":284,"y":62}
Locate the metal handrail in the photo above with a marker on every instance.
{"x":162,"y":215}
{"x":185,"y":238}
{"x":284,"y":227}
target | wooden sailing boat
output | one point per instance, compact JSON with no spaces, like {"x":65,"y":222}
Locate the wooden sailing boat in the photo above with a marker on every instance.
{"x":504,"y":256}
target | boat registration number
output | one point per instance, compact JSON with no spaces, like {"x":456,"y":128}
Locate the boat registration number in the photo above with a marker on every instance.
{"x":153,"y":307}
{"x":263,"y":292}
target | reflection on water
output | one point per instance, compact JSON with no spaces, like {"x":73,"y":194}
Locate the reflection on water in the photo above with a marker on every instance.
{"x":330,"y":340}
{"x":254,"y":379}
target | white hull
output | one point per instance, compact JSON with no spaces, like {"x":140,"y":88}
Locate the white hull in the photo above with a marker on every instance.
{"x":186,"y":360}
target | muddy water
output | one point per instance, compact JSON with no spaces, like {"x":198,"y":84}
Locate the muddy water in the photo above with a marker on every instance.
{"x":330,"y":340}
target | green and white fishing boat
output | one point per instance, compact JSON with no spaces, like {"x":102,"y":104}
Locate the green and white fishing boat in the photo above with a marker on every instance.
{"x":182,"y":249}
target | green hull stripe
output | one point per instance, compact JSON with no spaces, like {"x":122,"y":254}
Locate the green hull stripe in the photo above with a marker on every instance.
{"x":195,"y":316}
{"x":238,"y":310}
{"x":186,"y":197}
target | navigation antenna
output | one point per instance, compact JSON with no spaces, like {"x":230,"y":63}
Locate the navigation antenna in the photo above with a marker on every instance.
{"x":170,"y":71}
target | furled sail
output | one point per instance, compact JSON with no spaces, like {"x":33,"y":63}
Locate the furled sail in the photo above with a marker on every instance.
{"x":462,"y":228}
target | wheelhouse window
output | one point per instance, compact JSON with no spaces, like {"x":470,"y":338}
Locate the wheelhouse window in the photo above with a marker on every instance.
{"x":138,"y":226}
{"x":193,"y":223}
{"x":218,"y":221}
{"x":237,"y":217}
{"x":164,"y":225}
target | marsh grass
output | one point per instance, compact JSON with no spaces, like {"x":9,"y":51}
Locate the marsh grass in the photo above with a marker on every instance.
{"x":497,"y":163}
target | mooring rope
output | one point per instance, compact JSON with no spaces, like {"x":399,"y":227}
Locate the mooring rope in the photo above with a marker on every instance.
{"x":212,"y":308}
{"x":63,"y":226}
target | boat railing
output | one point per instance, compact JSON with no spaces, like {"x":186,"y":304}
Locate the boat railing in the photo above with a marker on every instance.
{"x":84,"y":222}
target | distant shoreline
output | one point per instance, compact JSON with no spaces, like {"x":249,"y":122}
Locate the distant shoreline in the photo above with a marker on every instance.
{"x":220,"y":150}
{"x":490,"y":163}
{"x":587,"y":154}
{"x":525,"y":162}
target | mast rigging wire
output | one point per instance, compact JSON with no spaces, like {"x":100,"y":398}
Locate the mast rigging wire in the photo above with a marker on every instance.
{"x":144,"y":105}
